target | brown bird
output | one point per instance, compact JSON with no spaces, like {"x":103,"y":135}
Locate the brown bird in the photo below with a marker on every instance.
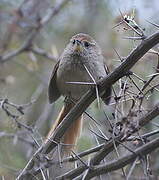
{"x":81,"y":64}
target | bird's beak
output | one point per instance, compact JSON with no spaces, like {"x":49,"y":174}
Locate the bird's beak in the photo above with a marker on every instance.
{"x":78,"y":46}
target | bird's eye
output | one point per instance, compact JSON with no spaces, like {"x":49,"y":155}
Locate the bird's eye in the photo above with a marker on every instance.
{"x":86,"y":44}
{"x":73,"y":42}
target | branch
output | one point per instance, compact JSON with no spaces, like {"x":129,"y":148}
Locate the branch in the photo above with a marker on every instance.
{"x":123,"y":161}
{"x":96,"y":149}
{"x":89,"y":97}
{"x":42,"y":52}
{"x":26,"y":45}
{"x":109,"y":146}
{"x":99,"y":147}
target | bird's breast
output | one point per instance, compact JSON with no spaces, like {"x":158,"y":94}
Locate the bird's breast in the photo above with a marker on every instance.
{"x":72,"y":77}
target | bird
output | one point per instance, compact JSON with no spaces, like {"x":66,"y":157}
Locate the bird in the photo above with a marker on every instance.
{"x":80,"y":66}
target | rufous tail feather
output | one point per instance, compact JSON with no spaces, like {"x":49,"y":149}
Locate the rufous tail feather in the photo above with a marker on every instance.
{"x":71,"y":135}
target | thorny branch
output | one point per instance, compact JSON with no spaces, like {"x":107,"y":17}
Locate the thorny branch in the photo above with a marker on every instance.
{"x":123,"y":161}
{"x":108,"y":147}
{"x":97,"y":148}
{"x":105,"y":148}
{"x":86,"y":100}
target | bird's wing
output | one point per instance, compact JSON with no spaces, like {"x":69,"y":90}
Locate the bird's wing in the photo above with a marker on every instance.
{"x":53,"y":91}
{"x":107,"y":95}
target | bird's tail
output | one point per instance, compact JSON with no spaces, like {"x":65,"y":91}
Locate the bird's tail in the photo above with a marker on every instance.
{"x":71,"y":135}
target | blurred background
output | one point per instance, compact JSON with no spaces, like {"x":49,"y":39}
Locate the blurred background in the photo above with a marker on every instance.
{"x":24,"y":77}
